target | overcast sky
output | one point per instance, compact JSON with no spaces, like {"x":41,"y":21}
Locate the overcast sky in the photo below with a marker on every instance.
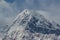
{"x":9,"y":9}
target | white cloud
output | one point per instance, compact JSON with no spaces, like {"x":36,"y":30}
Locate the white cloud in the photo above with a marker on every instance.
{"x":5,"y":10}
{"x":54,"y":12}
{"x":5,"y":20}
{"x":50,"y":15}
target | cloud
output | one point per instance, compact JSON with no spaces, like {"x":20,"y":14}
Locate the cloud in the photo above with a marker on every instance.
{"x":5,"y":20}
{"x":9,"y":1}
{"x":54,"y":12}
{"x":5,"y":13}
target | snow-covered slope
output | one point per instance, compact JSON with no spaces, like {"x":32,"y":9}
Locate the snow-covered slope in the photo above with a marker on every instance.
{"x":30,"y":25}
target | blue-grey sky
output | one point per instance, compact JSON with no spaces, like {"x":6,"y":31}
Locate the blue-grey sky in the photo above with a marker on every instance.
{"x":9,"y":9}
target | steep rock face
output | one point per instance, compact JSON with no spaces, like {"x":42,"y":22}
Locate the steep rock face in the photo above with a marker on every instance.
{"x":30,"y":25}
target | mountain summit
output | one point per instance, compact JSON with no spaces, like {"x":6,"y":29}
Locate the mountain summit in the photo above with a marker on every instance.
{"x":30,"y":25}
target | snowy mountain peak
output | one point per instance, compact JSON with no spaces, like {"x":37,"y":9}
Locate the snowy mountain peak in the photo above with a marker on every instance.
{"x":31,"y":13}
{"x":30,"y":25}
{"x":28,"y":13}
{"x":25,"y":10}
{"x":32,"y":20}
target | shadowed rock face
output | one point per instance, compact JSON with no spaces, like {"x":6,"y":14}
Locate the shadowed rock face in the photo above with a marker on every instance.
{"x":34,"y":28}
